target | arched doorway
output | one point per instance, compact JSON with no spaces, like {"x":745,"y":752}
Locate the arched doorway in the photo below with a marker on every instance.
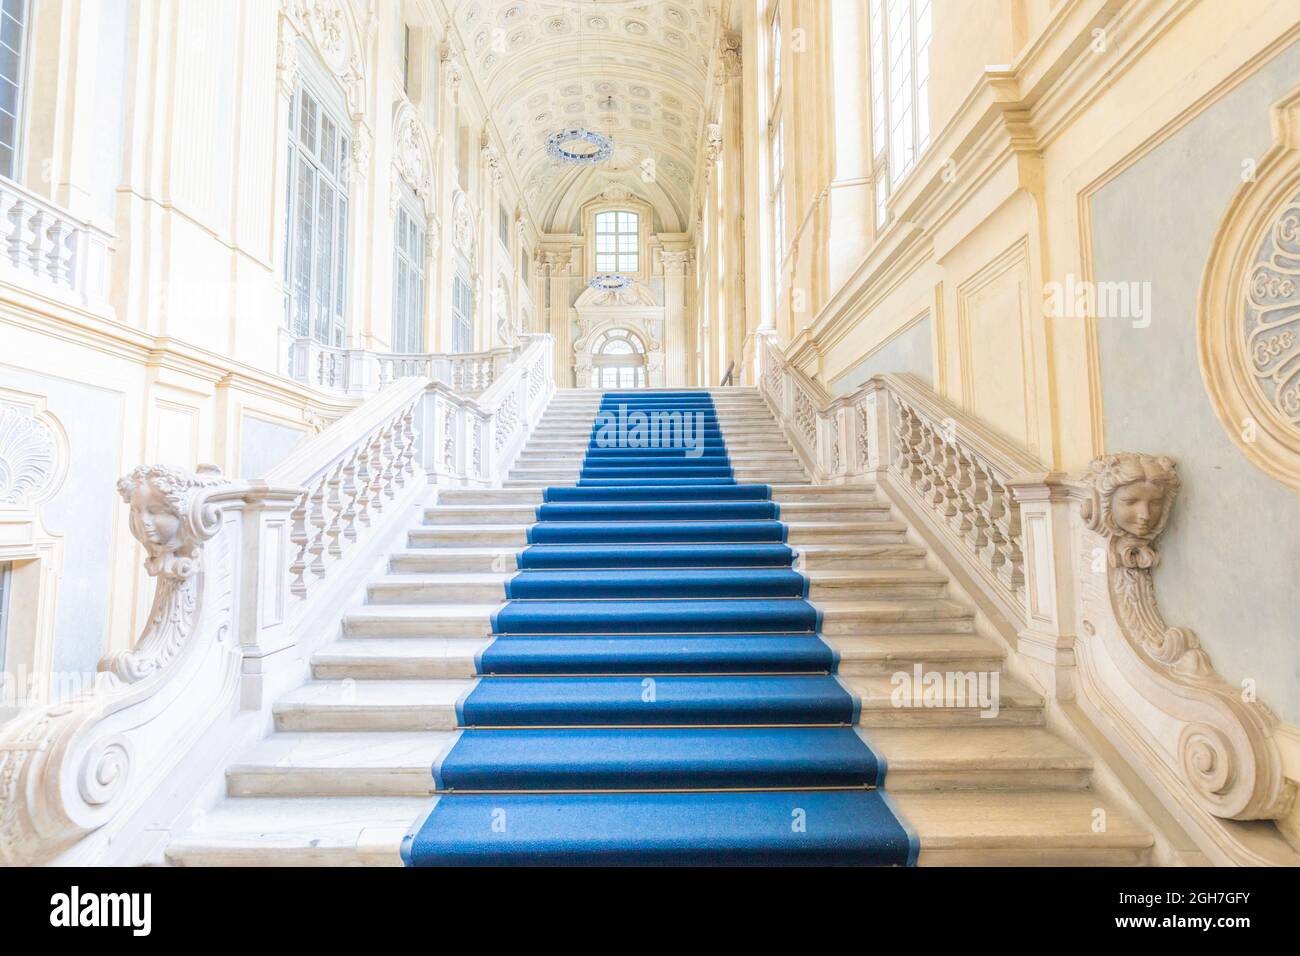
{"x":618,"y":360}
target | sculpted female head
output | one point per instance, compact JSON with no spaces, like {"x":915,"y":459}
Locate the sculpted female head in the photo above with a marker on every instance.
{"x":169,"y":515}
{"x":1132,"y":496}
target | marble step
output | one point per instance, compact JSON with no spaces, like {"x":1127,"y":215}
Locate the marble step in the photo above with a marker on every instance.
{"x":467,"y":587}
{"x":792,"y":511}
{"x":399,"y":658}
{"x":847,"y":494}
{"x":504,"y":559}
{"x":998,"y":827}
{"x":425,"y":705}
{"x":801,"y":533}
{"x":912,"y":616}
{"x":818,"y":557}
{"x":322,"y":831}
{"x":966,"y":698}
{"x":1021,"y":828}
{"x":893,"y":653}
{"x":569,"y":476}
{"x":432,"y":658}
{"x":978,"y":758}
{"x":397,"y":763}
{"x":737,"y":459}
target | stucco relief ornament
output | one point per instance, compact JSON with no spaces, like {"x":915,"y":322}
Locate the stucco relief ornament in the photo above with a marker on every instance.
{"x":1225,"y":749}
{"x":172,"y":516}
{"x":1272,"y":315}
{"x":1131,"y":498}
{"x":408,"y":156}
{"x":27,"y":456}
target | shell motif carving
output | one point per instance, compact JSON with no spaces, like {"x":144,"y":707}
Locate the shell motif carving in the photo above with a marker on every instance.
{"x":1271,"y":315}
{"x":28,"y":456}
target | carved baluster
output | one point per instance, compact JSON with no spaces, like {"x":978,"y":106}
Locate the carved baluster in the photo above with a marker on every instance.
{"x":409,"y":439}
{"x":1011,"y":569}
{"x":39,"y":242}
{"x":334,"y":504}
{"x":317,"y":522}
{"x":977,"y":534}
{"x":361,"y":456}
{"x":300,"y":539}
{"x":377,"y":478}
{"x":58,"y":264}
{"x":350,"y":493}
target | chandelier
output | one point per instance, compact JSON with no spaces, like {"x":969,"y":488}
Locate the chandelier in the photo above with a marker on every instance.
{"x":581,"y":146}
{"x":609,"y":282}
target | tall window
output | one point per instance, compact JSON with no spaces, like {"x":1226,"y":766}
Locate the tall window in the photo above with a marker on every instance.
{"x":462,"y":314}
{"x":618,"y":237}
{"x":503,"y":226}
{"x":900,"y":86}
{"x":408,"y":274}
{"x":5,"y":569}
{"x":316,"y":257}
{"x":776,"y":142}
{"x":13,"y":41}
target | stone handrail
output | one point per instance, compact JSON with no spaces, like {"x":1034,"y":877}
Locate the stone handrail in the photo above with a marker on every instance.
{"x":360,"y":371}
{"x":1070,"y":571}
{"x":239,"y":604}
{"x":955,"y":469}
{"x":44,"y":243}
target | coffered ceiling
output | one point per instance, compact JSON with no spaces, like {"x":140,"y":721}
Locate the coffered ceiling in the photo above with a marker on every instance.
{"x":634,"y":70}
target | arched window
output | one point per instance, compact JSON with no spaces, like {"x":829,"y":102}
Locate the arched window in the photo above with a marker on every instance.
{"x":618,"y":361}
{"x":408,"y":273}
{"x":317,"y":228}
{"x":618,"y":238}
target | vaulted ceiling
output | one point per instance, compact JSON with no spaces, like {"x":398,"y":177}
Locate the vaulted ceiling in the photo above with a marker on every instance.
{"x":634,"y":70}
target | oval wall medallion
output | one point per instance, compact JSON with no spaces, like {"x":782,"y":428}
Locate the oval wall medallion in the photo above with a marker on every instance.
{"x":1248,"y":321}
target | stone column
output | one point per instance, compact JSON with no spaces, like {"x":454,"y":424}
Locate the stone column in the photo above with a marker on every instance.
{"x":675,"y":345}
{"x":561,"y":326}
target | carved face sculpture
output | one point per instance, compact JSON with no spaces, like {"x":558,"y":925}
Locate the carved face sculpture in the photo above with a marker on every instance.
{"x":155,"y":516}
{"x":1138,"y":507}
{"x":1132,"y":496}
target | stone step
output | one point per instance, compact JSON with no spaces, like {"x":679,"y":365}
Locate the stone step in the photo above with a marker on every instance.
{"x":846,"y":494}
{"x":421,"y":620}
{"x":465,"y":587}
{"x":791,"y":511}
{"x":978,"y":758}
{"x":916,"y":616}
{"x":323,"y":831}
{"x":569,"y":476}
{"x":423,"y":705}
{"x":814,"y":557}
{"x":398,"y":658}
{"x":372,"y":705}
{"x":893,"y":653}
{"x":800,"y":533}
{"x":964,"y":698}
{"x":808,"y":557}
{"x":397,"y":763}
{"x":430,"y":658}
{"x":1021,"y":828}
{"x":998,"y":827}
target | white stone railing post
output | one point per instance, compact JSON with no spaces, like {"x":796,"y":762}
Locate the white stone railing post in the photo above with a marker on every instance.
{"x":41,"y":243}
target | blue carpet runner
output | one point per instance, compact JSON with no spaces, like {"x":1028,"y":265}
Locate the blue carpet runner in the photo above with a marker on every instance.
{"x":656,"y":692}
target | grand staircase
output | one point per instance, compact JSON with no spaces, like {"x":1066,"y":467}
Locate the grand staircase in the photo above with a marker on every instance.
{"x":696,"y":663}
